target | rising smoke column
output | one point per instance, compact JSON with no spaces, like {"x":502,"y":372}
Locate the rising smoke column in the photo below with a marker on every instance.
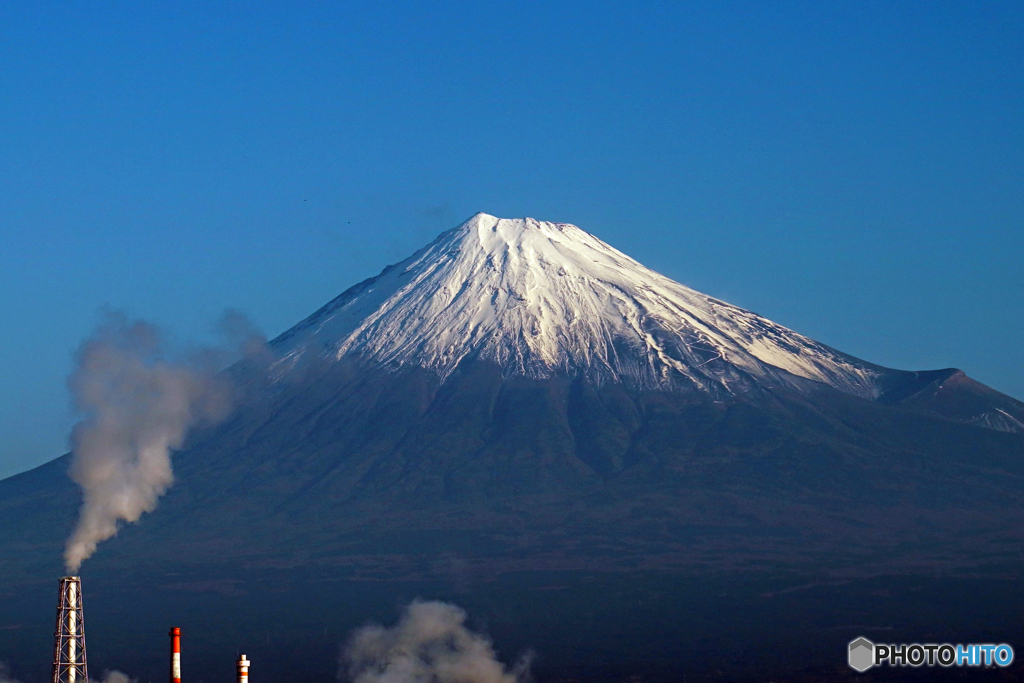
{"x":430,"y":644}
{"x":139,"y":402}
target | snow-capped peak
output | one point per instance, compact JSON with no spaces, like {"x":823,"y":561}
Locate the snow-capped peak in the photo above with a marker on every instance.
{"x":541,"y":298}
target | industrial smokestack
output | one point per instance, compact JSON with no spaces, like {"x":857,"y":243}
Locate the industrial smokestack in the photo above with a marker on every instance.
{"x":69,"y":661}
{"x":175,"y":634}
{"x":242,"y":667}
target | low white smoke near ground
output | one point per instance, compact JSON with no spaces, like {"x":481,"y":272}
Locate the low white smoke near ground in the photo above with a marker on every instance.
{"x":115,"y":677}
{"x":430,"y":644}
{"x":108,"y":676}
{"x":5,"y":674}
{"x":139,"y":399}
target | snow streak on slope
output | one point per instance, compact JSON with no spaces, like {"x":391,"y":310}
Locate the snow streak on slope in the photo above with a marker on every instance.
{"x":542,"y":298}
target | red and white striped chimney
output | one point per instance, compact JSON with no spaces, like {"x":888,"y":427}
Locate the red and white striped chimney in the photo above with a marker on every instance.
{"x":175,"y":635}
{"x":242,"y":667}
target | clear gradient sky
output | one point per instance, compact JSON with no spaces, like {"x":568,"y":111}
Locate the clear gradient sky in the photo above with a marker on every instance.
{"x":854,"y":171}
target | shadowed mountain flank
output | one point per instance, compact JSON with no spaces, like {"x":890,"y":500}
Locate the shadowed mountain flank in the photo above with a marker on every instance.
{"x":595,"y":461}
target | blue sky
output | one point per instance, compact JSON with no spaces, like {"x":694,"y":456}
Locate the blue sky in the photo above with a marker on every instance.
{"x":854,"y":171}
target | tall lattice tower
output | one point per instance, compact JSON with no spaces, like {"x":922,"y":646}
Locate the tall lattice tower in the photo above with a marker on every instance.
{"x":69,"y":663}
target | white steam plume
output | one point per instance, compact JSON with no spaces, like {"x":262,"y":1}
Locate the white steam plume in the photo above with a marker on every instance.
{"x":139,"y":402}
{"x":108,"y":676}
{"x":116,"y":677}
{"x":5,"y":674}
{"x":430,"y":644}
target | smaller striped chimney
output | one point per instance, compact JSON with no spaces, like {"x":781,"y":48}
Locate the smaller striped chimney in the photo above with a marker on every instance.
{"x":175,"y":634}
{"x":242,"y":667}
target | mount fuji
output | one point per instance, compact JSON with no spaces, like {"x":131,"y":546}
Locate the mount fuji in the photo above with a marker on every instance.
{"x":628,"y":476}
{"x":542,"y":299}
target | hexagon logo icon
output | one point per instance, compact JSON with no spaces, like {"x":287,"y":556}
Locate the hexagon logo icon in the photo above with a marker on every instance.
{"x":862,"y":654}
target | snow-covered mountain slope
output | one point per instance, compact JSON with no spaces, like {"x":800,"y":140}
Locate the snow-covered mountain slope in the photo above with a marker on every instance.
{"x":543,"y":298}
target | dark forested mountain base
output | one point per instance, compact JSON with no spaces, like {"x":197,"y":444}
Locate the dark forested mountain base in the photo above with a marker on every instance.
{"x":616,"y":533}
{"x":582,"y":626}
